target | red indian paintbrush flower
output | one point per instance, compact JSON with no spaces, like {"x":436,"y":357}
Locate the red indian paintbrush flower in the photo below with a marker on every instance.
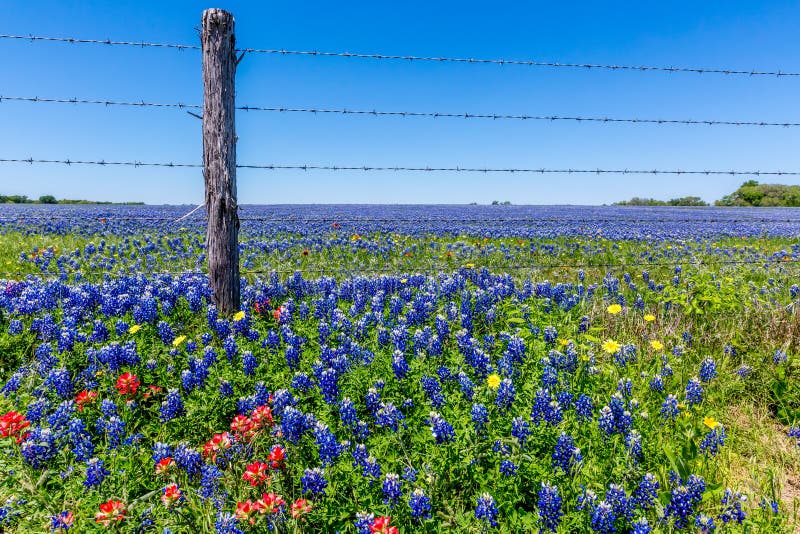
{"x":381,"y":526}
{"x":110,"y":511}
{"x":261,"y":416}
{"x":127,"y":384}
{"x":85,"y":397}
{"x":245,"y":511}
{"x":219,"y":442}
{"x":256,"y":473}
{"x":165,"y":465}
{"x":276,"y":457}
{"x":270,"y":502}
{"x":300,"y":507}
{"x":172,"y":495}
{"x":242,"y":427}
{"x":12,"y":424}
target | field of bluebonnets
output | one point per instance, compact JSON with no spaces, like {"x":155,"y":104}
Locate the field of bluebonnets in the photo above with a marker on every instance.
{"x":401,"y":369}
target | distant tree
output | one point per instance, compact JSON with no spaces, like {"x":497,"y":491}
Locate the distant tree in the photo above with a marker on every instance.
{"x":47,"y":199}
{"x":683,"y":201}
{"x":752,"y":193}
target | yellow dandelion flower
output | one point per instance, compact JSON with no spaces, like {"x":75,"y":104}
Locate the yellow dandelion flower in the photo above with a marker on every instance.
{"x":614,"y":309}
{"x":470,"y":266}
{"x":493,"y":381}
{"x":178,"y":340}
{"x":135,"y":328}
{"x":403,"y":280}
{"x":710,"y":422}
{"x":657,"y":345}
{"x":649,"y":317}
{"x":238,"y":316}
{"x":563,"y":342}
{"x":611,"y":346}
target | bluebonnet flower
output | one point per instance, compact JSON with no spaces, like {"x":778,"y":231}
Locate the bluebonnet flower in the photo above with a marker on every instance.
{"x":410,"y":474}
{"x":480,"y":416}
{"x":389,"y":416}
{"x":633,"y":444}
{"x":347,"y":412}
{"x":313,"y":481}
{"x":641,"y":526}
{"x":227,"y":524}
{"x":420,"y":504}
{"x":329,"y":448}
{"x":466,"y":385}
{"x":622,"y":505}
{"x":209,"y":480}
{"x":708,"y":370}
{"x":705,"y":523}
{"x":694,"y":391}
{"x":584,"y":407}
{"x":329,"y":385}
{"x":657,"y":383}
{"x":371,"y":468}
{"x":779,"y":357}
{"x":249,"y":363}
{"x":165,"y":333}
{"x":549,"y":507}
{"x":713,"y":440}
{"x":441,"y":430}
{"x":161,"y":451}
{"x":363,"y":522}
{"x":669,"y":408}
{"x":520,"y":429}
{"x":603,"y":518}
{"x":433,"y":390}
{"x":39,"y":447}
{"x":646,"y":492}
{"x":60,"y":381}
{"x":187,"y":459}
{"x":399,"y":365}
{"x":391,"y":489}
{"x":508,"y":468}
{"x":566,"y":455}
{"x":744,"y":371}
{"x":486,"y":509}
{"x":172,"y":406}
{"x":732,"y":507}
{"x":95,"y":473}
{"x":505,"y":395}
{"x":684,"y":498}
{"x":14,"y":327}
{"x":225,"y":389}
{"x":293,"y":424}
{"x":550,"y":334}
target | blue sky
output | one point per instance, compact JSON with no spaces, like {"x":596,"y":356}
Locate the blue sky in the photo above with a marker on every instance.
{"x":733,"y":34}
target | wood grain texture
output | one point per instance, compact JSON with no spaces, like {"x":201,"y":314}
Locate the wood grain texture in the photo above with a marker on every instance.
{"x":219,"y":157}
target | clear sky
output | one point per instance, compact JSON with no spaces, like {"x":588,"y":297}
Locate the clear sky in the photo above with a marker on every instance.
{"x":735,"y":34}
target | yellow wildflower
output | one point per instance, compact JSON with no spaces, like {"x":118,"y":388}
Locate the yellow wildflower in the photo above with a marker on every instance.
{"x":657,"y":345}
{"x":403,"y":280}
{"x":493,"y":381}
{"x":649,"y":317}
{"x":470,"y":266}
{"x":135,"y":328}
{"x":238,"y":316}
{"x":710,"y":422}
{"x":614,"y":309}
{"x":563,"y":342}
{"x":611,"y":346}
{"x":178,"y":340}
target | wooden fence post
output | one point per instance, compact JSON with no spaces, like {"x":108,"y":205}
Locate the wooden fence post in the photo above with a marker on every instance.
{"x":219,"y":157}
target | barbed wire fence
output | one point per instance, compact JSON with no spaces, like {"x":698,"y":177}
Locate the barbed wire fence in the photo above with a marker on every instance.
{"x":235,"y":55}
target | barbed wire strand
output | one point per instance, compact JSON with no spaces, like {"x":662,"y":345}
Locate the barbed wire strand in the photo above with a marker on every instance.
{"x":412,"y":58}
{"x":483,"y":170}
{"x":418,"y":114}
{"x":347,"y":220}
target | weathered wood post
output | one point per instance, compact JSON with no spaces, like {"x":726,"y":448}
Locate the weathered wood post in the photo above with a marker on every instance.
{"x":219,"y":157}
